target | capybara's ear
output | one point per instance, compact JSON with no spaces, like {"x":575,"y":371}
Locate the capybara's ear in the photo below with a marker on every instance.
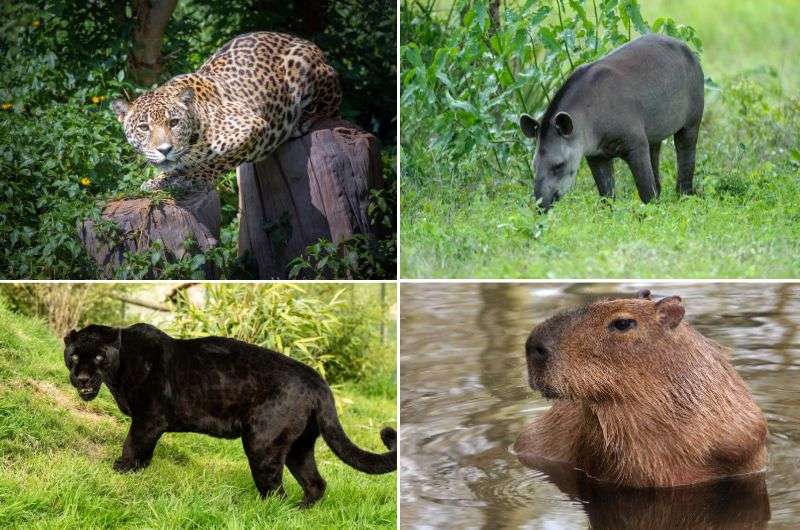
{"x":643,"y":293}
{"x":120,"y":108}
{"x":529,"y":126}
{"x":670,"y":311}
{"x":69,"y":336}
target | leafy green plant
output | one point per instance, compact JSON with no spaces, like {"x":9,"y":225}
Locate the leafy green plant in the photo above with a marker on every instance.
{"x":327,"y":330}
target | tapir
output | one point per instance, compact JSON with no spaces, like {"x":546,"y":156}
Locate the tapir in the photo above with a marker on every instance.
{"x":622,"y":105}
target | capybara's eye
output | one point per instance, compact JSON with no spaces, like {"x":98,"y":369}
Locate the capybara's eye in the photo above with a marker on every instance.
{"x":174,"y":122}
{"x":623,"y":324}
{"x":143,"y":127}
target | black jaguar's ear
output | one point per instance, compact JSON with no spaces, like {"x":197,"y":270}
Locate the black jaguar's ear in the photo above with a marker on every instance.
{"x":186,"y":96}
{"x":69,"y":336}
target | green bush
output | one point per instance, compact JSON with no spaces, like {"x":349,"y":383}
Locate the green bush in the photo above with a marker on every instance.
{"x":332,"y":331}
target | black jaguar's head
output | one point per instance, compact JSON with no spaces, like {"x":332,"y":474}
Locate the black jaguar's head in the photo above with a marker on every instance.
{"x":90,"y":354}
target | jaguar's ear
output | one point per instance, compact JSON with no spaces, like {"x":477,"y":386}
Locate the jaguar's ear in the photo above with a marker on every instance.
{"x":120,"y":108}
{"x":69,"y":337}
{"x":111,"y":348}
{"x":186,"y":96}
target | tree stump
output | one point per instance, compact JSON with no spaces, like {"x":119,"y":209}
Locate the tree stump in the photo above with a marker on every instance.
{"x":142,"y":221}
{"x":313,"y":187}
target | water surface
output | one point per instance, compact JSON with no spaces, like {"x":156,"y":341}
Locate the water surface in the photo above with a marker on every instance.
{"x":465,"y":397}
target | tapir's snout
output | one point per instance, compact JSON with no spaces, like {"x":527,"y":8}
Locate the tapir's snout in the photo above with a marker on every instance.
{"x":544,"y":194}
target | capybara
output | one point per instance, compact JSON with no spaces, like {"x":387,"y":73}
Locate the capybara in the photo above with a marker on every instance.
{"x":641,"y":398}
{"x":622,"y":105}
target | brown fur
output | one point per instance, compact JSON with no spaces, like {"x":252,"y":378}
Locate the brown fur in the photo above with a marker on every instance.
{"x":253,"y":94}
{"x":655,"y":405}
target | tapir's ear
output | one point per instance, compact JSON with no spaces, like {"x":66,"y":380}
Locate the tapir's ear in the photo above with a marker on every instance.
{"x":563,"y":123}
{"x":670,"y":311}
{"x":69,"y":336}
{"x":120,"y":108}
{"x":529,"y":126}
{"x":186,"y":96}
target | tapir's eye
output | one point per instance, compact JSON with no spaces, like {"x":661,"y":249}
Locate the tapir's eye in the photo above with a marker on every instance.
{"x":143,"y":127}
{"x":174,"y":122}
{"x":98,"y":358}
{"x":622,"y":324}
{"x":558,"y":167}
{"x":74,"y":358}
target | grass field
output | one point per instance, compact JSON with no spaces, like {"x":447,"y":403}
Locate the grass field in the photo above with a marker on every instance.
{"x":56,"y":454}
{"x":744,"y":221}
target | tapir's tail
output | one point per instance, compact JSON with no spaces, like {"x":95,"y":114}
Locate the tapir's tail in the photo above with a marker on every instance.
{"x":346,"y":450}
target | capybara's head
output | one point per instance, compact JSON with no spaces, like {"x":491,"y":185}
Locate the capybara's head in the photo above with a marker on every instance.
{"x":612,"y":349}
{"x":558,"y":154}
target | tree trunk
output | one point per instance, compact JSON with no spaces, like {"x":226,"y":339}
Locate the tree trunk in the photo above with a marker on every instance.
{"x":142,"y":221}
{"x":152,"y":17}
{"x":313,"y":187}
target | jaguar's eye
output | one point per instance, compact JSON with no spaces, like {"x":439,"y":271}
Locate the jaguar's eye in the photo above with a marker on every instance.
{"x":174,"y":122}
{"x":98,"y":358}
{"x":74,"y":358}
{"x":622,"y":324}
{"x":144,"y":127}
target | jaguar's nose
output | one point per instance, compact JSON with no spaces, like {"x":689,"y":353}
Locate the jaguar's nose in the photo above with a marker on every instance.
{"x":164,"y":149}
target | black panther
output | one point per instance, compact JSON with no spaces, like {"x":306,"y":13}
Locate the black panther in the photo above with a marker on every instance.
{"x":224,"y":388}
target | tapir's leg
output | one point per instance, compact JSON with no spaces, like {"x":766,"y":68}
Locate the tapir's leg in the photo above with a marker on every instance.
{"x":638,"y":159}
{"x":603,"y":173}
{"x":685,"y":146}
{"x":655,"y":151}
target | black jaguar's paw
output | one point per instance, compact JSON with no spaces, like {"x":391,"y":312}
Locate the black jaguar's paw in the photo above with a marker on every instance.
{"x":122,"y":465}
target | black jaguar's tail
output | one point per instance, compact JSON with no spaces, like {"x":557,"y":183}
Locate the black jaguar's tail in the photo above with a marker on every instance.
{"x":346,"y":450}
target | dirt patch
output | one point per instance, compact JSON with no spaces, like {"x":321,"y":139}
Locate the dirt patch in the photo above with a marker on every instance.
{"x":62,"y":399}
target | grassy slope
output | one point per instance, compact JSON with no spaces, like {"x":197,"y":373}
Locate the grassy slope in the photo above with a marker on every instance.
{"x":748,"y":225}
{"x":56,"y":454}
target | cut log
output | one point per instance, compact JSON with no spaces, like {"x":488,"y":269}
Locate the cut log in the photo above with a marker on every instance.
{"x":313,"y":187}
{"x":141,"y":221}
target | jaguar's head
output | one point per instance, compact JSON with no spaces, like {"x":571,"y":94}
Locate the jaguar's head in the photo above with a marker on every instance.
{"x":90,"y":355}
{"x":161,"y":124}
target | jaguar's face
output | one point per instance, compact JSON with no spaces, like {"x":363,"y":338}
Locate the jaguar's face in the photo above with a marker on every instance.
{"x":161,"y":126}
{"x":89,"y":355}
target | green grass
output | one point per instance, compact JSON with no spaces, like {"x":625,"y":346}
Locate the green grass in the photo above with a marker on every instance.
{"x":744,"y":221}
{"x":740,"y":35}
{"x":56,"y":454}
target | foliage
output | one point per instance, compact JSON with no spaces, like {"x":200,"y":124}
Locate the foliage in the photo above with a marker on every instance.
{"x":467,"y":201}
{"x":64,"y":306}
{"x":64,"y":153}
{"x":328,"y":331}
{"x":57,"y":455}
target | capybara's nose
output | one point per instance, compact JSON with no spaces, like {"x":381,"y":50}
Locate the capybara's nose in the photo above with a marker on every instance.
{"x":537,"y":351}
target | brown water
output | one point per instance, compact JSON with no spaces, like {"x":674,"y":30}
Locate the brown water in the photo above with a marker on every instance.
{"x":465,"y":397}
